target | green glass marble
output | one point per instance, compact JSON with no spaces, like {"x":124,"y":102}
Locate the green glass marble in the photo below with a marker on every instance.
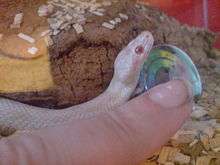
{"x":168,"y":62}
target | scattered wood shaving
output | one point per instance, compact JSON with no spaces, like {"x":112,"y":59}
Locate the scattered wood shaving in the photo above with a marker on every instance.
{"x":100,"y":10}
{"x":26,"y":38}
{"x":97,"y":13}
{"x":70,"y":13}
{"x":44,"y":33}
{"x":194,"y":142}
{"x":18,"y":19}
{"x":216,"y":149}
{"x":63,"y":26}
{"x":181,"y":158}
{"x":203,"y":160}
{"x":79,"y":28}
{"x":48,"y":40}
{"x":167,"y":154}
{"x":205,"y":140}
{"x":56,"y":31}
{"x":214,"y":143}
{"x":198,"y":112}
{"x":118,"y":20}
{"x":108,"y":25}
{"x":209,"y":131}
{"x":68,"y":17}
{"x":32,"y":50}
{"x":106,"y":3}
{"x":123,"y":16}
{"x":45,"y":10}
{"x":217,"y":128}
{"x":184,"y":136}
{"x":112,"y":22}
{"x":205,"y":152}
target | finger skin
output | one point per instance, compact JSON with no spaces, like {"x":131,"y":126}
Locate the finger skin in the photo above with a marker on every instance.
{"x":124,"y":136}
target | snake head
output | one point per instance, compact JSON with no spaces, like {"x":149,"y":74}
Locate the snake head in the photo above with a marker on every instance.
{"x":130,"y":60}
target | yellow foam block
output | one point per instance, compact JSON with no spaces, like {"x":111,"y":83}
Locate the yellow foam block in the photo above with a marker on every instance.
{"x":17,"y":75}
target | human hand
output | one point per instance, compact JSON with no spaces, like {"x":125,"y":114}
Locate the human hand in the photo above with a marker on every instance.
{"x":126,"y":134}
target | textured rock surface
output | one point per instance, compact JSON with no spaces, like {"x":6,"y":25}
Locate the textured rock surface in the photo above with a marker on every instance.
{"x":82,"y":65}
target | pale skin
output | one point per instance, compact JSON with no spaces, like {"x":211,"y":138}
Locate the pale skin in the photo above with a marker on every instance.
{"x":126,"y":133}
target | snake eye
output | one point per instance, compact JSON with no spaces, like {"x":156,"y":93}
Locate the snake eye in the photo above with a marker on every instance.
{"x":139,"y":49}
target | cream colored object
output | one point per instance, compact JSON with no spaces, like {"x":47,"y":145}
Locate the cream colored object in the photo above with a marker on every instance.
{"x":181,"y":158}
{"x":26,"y":38}
{"x":32,"y":50}
{"x":17,"y":21}
{"x":108,"y":25}
{"x":204,"y":160}
{"x":78,"y":28}
{"x":167,"y":154}
{"x":123,"y":16}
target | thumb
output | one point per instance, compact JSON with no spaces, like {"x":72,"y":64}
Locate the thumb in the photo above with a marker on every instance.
{"x":124,"y":136}
{"x":152,"y":118}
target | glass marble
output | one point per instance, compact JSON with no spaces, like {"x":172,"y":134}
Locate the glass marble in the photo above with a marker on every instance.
{"x":165,"y":63}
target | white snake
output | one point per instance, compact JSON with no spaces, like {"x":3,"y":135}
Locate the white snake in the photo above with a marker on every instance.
{"x":18,"y":116}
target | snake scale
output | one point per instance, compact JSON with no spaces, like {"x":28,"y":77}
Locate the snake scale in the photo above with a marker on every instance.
{"x":17,"y":116}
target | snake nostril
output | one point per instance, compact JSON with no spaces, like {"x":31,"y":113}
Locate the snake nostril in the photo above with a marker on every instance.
{"x":139,"y":49}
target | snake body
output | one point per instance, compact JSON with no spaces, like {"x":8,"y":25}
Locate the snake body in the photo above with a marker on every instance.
{"x":127,"y":67}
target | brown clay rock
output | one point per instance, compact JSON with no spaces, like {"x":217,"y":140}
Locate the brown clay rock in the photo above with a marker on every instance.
{"x":82,"y":65}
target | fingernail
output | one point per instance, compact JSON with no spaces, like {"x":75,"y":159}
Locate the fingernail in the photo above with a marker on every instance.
{"x":171,"y":94}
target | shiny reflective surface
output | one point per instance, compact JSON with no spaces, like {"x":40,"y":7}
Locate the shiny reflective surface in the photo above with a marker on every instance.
{"x":167,"y":62}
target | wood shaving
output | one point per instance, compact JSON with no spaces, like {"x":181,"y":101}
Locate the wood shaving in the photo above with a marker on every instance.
{"x":44,"y":33}
{"x":32,"y":50}
{"x":18,"y":19}
{"x":167,"y":154}
{"x":108,"y":25}
{"x":97,"y":13}
{"x":214,"y":143}
{"x":63,"y":26}
{"x":217,"y":128}
{"x":70,"y":13}
{"x":48,"y":40}
{"x":203,"y":160}
{"x":112,"y":22}
{"x":56,"y":31}
{"x":45,"y":10}
{"x":106,"y":3}
{"x":78,"y":28}
{"x":56,"y":24}
{"x":181,"y":158}
{"x":216,"y":149}
{"x":101,"y":10}
{"x":198,"y":112}
{"x":123,"y":16}
{"x":209,"y":131}
{"x":194,"y":142}
{"x":68,"y":17}
{"x":205,"y":141}
{"x":26,"y":38}
{"x":118,"y":20}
